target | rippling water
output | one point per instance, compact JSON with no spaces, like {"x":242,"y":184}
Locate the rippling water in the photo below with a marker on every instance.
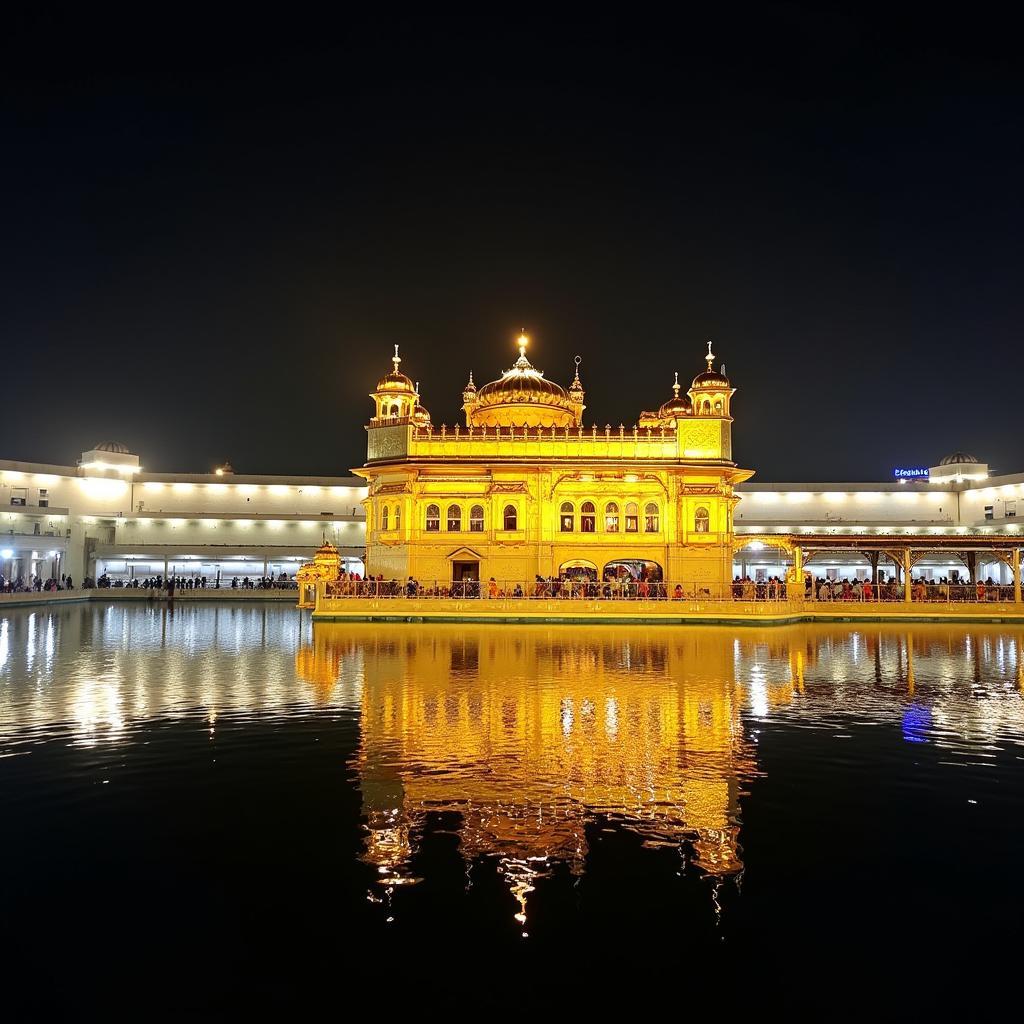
{"x":226,"y":804}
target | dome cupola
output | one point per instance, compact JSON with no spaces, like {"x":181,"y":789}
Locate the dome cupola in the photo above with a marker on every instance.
{"x":395,"y":396}
{"x":677,"y":405}
{"x":959,"y":459}
{"x":710,"y":377}
{"x":711,"y":391}
{"x":523,"y":397}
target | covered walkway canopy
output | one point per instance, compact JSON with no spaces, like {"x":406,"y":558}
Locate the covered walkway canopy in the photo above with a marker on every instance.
{"x":904,"y":550}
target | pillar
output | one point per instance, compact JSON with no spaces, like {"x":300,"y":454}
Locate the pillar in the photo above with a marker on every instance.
{"x":798,"y":574}
{"x":1016,"y":575}
{"x":165,"y":570}
{"x":906,"y":575}
{"x":873,"y":559}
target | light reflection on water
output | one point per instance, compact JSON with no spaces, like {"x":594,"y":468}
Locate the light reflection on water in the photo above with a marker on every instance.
{"x":525,"y":739}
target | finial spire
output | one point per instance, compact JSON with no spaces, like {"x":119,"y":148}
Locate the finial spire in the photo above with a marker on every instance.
{"x":417,"y":389}
{"x":710,"y":357}
{"x":396,"y":359}
{"x":675,"y":386}
{"x":576,"y":387}
{"x":522,"y":363}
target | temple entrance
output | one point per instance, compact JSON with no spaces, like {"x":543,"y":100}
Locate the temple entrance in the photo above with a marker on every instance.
{"x":465,"y":572}
{"x":633,"y":568}
{"x":578,"y":569}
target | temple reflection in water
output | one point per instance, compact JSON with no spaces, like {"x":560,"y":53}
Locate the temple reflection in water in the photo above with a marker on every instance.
{"x":530,"y":736}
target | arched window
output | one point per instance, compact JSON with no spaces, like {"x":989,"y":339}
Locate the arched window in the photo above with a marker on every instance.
{"x":454,"y":519}
{"x":384,"y":518}
{"x":566,"y":517}
{"x":510,"y":518}
{"x":650,"y":517}
{"x":718,"y":407}
{"x":588,"y":517}
{"x":394,"y":410}
{"x":398,"y":516}
{"x":611,"y":517}
{"x":632,"y":517}
{"x":433,"y":519}
{"x":476,"y":519}
{"x":702,"y":521}
{"x":705,"y":408}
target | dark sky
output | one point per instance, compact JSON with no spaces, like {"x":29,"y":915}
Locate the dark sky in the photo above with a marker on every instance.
{"x":214,"y":231}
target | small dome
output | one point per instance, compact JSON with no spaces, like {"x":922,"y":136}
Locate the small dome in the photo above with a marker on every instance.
{"x":113,"y":446}
{"x":959,"y":459}
{"x":710,"y":378}
{"x":676,"y":405}
{"x":395,"y":381}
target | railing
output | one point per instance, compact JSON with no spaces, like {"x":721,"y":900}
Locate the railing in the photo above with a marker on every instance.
{"x":563,"y":589}
{"x":762,"y":592}
{"x":920,"y":593}
{"x":608,"y":441}
{"x":591,"y":433}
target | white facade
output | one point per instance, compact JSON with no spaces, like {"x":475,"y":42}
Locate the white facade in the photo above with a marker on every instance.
{"x":958,"y":499}
{"x":107,"y":515}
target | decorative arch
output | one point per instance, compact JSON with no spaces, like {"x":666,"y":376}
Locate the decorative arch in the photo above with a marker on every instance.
{"x":632,"y":517}
{"x":611,"y":517}
{"x":767,"y":540}
{"x":588,"y":517}
{"x":635,"y":568}
{"x":578,"y":568}
{"x":652,"y":518}
{"x":567,"y":517}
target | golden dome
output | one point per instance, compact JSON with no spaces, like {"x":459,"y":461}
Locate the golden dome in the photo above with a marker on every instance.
{"x":676,"y":406}
{"x":395,"y":381}
{"x":710,"y":378}
{"x":523,"y":397}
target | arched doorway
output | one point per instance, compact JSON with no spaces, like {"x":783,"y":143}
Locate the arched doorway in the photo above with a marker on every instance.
{"x":578,"y":569}
{"x":635,"y":568}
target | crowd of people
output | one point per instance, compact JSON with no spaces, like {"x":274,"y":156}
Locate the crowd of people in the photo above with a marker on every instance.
{"x":941,"y":590}
{"x":628,"y":588}
{"x":179,"y":583}
{"x":35,"y":584}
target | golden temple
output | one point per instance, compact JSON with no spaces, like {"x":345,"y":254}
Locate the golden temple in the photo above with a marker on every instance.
{"x":523,"y":489}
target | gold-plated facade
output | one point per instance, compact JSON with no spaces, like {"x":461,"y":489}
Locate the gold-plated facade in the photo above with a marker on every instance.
{"x":525,"y":489}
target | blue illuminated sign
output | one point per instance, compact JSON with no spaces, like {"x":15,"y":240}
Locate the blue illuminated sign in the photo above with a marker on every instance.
{"x":910,"y":473}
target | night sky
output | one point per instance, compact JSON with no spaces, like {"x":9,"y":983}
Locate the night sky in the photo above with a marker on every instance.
{"x":214,"y":231}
